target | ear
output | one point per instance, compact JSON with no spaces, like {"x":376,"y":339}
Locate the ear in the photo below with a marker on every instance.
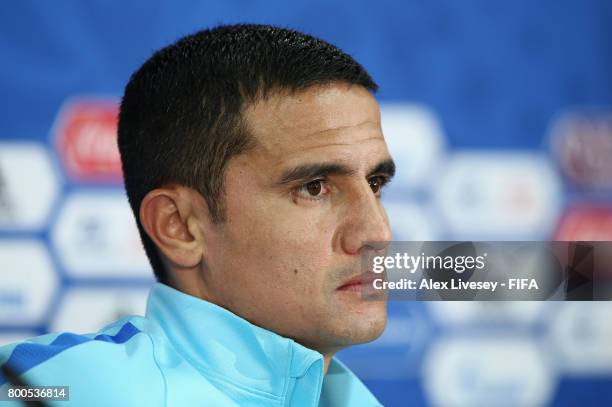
{"x":169,"y":217}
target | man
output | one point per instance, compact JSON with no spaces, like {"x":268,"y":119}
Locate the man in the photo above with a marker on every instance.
{"x":253,"y":160}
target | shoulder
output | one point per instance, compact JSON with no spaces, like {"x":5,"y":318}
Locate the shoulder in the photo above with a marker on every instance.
{"x":115,"y":364}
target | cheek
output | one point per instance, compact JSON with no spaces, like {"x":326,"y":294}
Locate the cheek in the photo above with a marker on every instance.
{"x":305,"y":233}
{"x":285,"y":240}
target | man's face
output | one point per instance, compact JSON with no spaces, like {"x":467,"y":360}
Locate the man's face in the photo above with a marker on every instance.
{"x":299,"y":209}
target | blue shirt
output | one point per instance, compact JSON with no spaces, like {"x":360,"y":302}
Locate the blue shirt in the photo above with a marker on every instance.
{"x":184,"y":352}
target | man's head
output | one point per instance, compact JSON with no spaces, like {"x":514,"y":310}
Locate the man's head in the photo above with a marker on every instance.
{"x":253,"y":160}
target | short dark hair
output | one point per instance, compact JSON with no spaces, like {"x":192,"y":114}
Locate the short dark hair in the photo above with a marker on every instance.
{"x":181,"y":113}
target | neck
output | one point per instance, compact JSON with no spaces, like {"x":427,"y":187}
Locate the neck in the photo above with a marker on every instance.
{"x":192,"y":284}
{"x":326,"y":359}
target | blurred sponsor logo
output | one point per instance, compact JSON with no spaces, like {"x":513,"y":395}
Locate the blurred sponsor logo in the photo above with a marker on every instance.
{"x":86,"y":140}
{"x":415,"y":140}
{"x":96,"y":236}
{"x":496,"y":371}
{"x":582,"y":145}
{"x":27,"y":282}
{"x":87,"y":310}
{"x":28,"y":186}
{"x":411,"y":221}
{"x":582,"y":333}
{"x":487,"y":196}
{"x":459,"y":313}
{"x":585,"y":223}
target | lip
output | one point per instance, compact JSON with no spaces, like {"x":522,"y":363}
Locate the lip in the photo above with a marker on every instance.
{"x":357,"y":282}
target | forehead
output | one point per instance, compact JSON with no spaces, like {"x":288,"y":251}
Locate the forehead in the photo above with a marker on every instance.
{"x":317,"y":120}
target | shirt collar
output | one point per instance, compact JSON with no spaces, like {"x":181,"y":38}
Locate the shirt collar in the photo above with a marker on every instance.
{"x":213,"y":339}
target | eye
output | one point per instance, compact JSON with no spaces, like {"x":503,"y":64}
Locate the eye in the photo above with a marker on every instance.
{"x":312,"y":190}
{"x":376,"y":183}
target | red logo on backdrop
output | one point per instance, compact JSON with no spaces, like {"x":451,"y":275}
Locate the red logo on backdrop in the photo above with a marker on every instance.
{"x":586,"y":223}
{"x":86,"y":140}
{"x":582,"y":145}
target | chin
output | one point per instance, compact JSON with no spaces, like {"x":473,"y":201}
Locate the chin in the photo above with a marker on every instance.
{"x":364,"y":327}
{"x":375,"y":329}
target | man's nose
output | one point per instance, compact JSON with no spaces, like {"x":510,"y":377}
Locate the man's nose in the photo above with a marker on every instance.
{"x":365,"y":225}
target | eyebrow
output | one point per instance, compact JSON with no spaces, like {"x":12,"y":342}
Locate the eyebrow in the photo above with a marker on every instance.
{"x":386,"y":167}
{"x":322,"y":170}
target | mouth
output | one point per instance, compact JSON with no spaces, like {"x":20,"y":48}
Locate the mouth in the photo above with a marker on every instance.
{"x":359,"y":282}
